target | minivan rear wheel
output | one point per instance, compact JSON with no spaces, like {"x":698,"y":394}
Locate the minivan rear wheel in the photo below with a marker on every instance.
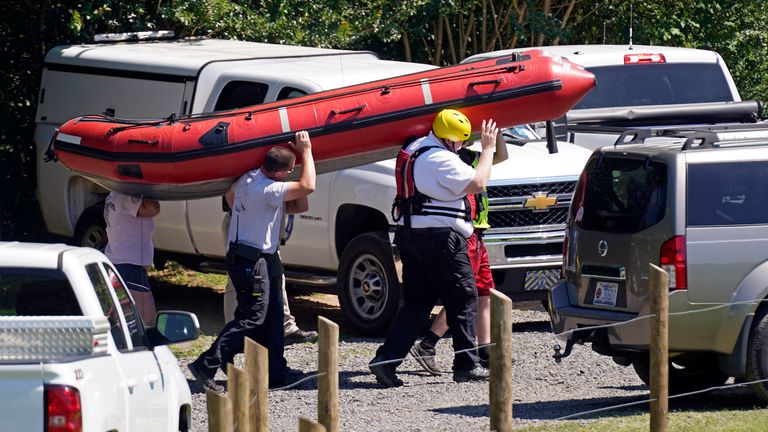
{"x":687,"y":373}
{"x":757,"y":355}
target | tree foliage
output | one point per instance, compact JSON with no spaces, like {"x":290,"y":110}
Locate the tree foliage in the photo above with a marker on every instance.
{"x":431,"y":31}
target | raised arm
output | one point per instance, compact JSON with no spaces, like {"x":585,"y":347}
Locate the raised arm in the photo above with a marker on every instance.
{"x":500,"y":154}
{"x":148,"y":208}
{"x":306,"y":183}
{"x":483,"y":168}
{"x":297,"y":206}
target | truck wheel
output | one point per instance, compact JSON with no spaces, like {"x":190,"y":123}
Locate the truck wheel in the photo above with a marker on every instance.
{"x":757,"y":355}
{"x":91,"y":230}
{"x":686,"y":373}
{"x":368,"y":287}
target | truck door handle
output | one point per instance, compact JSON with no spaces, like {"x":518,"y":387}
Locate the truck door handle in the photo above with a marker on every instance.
{"x":151,"y":378}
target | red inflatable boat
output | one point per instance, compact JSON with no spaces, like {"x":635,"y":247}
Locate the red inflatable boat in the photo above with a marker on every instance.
{"x":200,"y":155}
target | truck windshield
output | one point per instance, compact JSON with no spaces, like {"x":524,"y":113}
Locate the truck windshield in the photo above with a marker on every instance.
{"x":623,"y":194}
{"x":36,"y":292}
{"x":656,"y":84}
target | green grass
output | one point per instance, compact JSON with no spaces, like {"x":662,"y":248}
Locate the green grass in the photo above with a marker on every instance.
{"x":176,"y":274}
{"x":192,"y":349}
{"x":679,"y":421}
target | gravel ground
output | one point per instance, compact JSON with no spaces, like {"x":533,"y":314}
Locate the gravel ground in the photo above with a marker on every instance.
{"x":542,"y":390}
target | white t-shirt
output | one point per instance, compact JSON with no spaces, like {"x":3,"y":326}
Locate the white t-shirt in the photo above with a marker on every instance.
{"x":441,"y":175}
{"x":257,"y":211}
{"x":130,"y":236}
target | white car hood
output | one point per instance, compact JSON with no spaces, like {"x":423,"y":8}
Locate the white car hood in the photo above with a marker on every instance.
{"x":533,"y":161}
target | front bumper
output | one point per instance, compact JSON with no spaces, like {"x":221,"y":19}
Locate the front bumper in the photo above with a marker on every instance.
{"x":525,"y":265}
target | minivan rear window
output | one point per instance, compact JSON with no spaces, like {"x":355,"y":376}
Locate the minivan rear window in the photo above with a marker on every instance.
{"x":623,"y":194}
{"x":728,"y":193}
{"x":656,"y":84}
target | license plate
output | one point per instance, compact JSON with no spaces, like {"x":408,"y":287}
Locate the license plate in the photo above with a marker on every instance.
{"x":540,"y":279}
{"x":606,"y":293}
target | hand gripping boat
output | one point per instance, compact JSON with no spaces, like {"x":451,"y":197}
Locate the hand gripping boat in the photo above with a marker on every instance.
{"x":201,"y":155}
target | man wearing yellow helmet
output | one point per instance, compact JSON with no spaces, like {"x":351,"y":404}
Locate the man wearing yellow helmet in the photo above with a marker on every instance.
{"x":424,"y":351}
{"x":434,"y":223}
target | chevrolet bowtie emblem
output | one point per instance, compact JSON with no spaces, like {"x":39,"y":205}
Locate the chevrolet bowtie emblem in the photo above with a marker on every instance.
{"x":540,"y":202}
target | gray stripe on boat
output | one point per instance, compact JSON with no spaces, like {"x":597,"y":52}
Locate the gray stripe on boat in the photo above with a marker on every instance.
{"x":426,"y":91}
{"x":284,"y":123}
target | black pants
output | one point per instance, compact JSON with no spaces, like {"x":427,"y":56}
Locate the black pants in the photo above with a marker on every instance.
{"x":435,"y":266}
{"x":269,"y":333}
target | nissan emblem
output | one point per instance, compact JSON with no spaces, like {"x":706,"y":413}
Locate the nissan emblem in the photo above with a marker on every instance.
{"x":602,"y":248}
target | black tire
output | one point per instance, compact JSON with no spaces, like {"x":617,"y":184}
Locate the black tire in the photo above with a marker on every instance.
{"x":687,"y":373}
{"x":757,"y":355}
{"x":91,"y":230}
{"x":368,"y":286}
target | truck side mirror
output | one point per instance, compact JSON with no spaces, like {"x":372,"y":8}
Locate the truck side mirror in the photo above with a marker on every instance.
{"x":172,"y":327}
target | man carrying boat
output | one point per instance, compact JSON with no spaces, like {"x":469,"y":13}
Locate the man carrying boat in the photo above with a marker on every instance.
{"x":434,"y":222}
{"x":258,"y":200}
{"x":130,"y":225}
{"x":424,"y":351}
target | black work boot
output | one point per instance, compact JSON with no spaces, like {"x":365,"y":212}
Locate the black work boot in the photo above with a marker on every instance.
{"x":384,"y":372}
{"x":208,"y":383}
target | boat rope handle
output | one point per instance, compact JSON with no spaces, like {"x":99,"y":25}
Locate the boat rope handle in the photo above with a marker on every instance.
{"x":477,"y":83}
{"x":349,"y":110}
{"x":141,"y":141}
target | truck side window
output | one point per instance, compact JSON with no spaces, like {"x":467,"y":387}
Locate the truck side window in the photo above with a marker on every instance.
{"x":239,"y":94}
{"x":107,"y":305}
{"x":135,"y":326}
{"x":289,"y":93}
{"x":36,"y":292}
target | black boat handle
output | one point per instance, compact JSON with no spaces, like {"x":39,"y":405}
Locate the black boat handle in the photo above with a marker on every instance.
{"x":494,"y":82}
{"x":147,"y":142}
{"x":349,"y":110}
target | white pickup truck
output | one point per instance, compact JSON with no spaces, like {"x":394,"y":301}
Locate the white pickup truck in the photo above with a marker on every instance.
{"x":74,"y":354}
{"x":344,"y":239}
{"x":641,"y":86}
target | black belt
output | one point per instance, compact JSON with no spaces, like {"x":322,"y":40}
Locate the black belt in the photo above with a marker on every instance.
{"x":434,"y":230}
{"x":242,"y":250}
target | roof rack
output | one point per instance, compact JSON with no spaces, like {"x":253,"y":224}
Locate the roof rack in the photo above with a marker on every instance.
{"x":700,"y":137}
{"x":134,"y":36}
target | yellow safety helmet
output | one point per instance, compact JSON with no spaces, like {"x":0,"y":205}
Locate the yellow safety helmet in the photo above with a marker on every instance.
{"x":452,"y":125}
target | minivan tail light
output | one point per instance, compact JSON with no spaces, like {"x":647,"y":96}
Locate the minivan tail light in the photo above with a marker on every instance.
{"x":644,"y":58}
{"x":672,"y":260}
{"x":63,"y":412}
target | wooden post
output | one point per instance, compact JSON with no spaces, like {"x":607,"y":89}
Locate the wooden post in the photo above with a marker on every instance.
{"x":328,"y":368}
{"x":219,"y":412}
{"x":306,"y":425}
{"x":237,"y":388}
{"x":257,"y":369}
{"x":659,"y":296}
{"x":500,"y":388}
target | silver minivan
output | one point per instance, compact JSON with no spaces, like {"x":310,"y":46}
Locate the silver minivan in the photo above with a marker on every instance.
{"x":694,"y":202}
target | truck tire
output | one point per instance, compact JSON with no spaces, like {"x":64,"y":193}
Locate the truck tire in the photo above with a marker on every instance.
{"x":686,"y":374}
{"x":368,"y":286}
{"x":757,"y":355}
{"x":91,"y":230}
